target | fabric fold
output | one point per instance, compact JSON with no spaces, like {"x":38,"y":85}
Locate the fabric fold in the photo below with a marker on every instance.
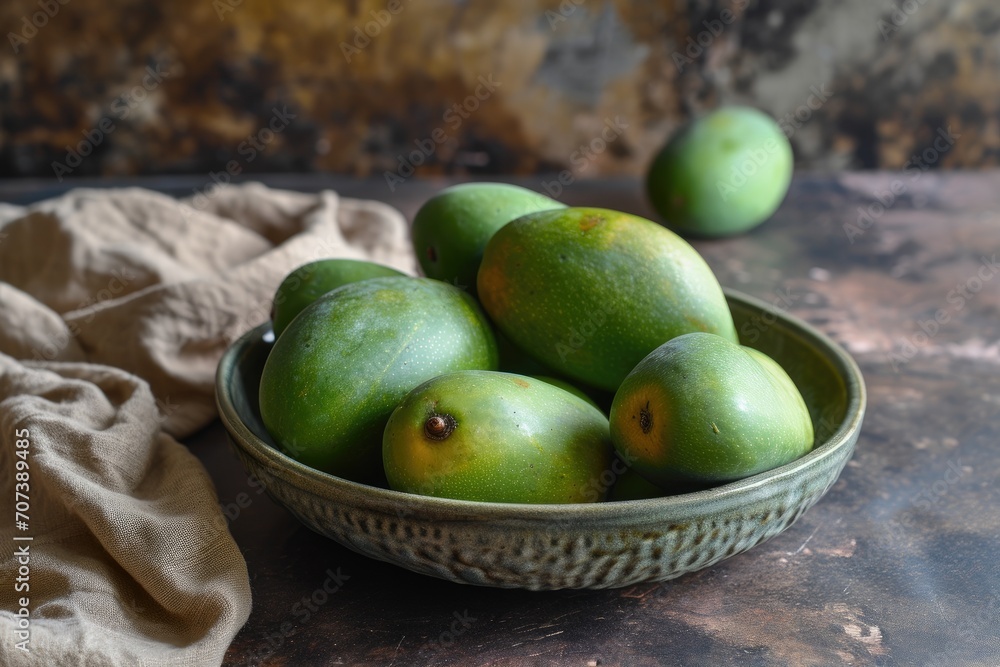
{"x":159,"y":288}
{"x":131,"y":561}
{"x":115,"y":307}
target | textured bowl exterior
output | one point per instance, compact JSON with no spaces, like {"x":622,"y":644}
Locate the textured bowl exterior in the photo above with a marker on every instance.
{"x":543,"y":547}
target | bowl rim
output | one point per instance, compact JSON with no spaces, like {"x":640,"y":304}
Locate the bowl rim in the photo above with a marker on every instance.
{"x":301,"y":475}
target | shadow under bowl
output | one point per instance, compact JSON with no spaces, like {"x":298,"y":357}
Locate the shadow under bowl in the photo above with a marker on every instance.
{"x":545,"y":547}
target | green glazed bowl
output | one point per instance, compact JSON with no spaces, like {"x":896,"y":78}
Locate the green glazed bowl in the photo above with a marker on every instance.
{"x":542,"y":547}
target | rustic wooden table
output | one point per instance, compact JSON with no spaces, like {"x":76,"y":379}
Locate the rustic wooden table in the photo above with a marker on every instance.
{"x":897,"y":565}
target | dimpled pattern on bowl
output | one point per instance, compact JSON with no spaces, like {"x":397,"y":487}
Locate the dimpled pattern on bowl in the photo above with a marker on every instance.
{"x":542,"y":547}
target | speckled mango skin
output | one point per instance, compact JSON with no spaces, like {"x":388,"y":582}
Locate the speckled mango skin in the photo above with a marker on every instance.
{"x":721,"y":174}
{"x":590,"y":291}
{"x":516,"y":440}
{"x":715,"y":412}
{"x":566,"y":386}
{"x":334,"y":376}
{"x":452,"y":228}
{"x":310,"y":281}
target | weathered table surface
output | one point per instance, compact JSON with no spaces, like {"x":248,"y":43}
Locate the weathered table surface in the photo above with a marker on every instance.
{"x":897,"y":565}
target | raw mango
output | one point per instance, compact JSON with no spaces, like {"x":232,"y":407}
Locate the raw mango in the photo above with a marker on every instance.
{"x":334,"y":376}
{"x":590,"y":292}
{"x":310,"y":281}
{"x":703,"y":409}
{"x":721,"y":174}
{"x":497,"y":437}
{"x":452,"y":228}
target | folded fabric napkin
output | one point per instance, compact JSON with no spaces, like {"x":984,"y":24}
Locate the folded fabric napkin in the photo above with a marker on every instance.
{"x":115,"y":306}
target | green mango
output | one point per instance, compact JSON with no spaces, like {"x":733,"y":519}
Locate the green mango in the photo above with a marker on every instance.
{"x":701,"y":408}
{"x":590,"y":292}
{"x":310,"y":281}
{"x":566,"y":386}
{"x":721,"y":174}
{"x":334,"y":376}
{"x":497,"y":437}
{"x":451,"y":229}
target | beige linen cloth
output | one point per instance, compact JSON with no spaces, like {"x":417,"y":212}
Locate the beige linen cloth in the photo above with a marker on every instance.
{"x":115,"y":306}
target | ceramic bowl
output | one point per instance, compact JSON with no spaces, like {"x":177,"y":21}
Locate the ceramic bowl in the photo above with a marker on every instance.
{"x":540,"y":547}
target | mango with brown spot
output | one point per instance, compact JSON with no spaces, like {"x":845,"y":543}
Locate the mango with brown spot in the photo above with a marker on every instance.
{"x":589,"y":292}
{"x":497,"y":437}
{"x":343,"y":364}
{"x":703,"y":409}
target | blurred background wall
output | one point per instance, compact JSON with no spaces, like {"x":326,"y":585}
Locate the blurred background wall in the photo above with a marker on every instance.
{"x":377,"y":87}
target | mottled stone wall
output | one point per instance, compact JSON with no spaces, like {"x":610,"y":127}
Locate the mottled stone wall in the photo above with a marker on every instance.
{"x":194,"y":85}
